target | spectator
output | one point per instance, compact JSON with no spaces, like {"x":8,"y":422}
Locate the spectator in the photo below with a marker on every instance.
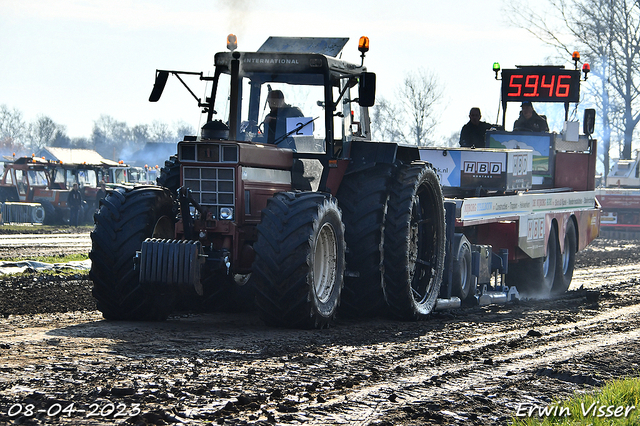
{"x":74,"y":201}
{"x":102,"y":192}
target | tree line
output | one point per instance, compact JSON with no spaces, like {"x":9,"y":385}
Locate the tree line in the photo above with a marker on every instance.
{"x":109,"y":137}
{"x":605,"y":32}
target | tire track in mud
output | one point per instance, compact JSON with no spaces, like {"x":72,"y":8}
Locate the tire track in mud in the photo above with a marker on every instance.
{"x":556,"y":343}
{"x":231,"y":369}
{"x":594,"y":277}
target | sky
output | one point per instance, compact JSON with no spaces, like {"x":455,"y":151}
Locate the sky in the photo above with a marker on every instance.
{"x":75,"y":60}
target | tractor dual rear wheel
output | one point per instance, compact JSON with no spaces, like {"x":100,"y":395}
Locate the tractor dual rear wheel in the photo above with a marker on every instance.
{"x":363,"y":200}
{"x":414,"y":242}
{"x":299,"y":264}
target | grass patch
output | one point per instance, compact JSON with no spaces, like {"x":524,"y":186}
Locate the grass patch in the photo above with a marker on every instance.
{"x":50,"y":259}
{"x":617,"y":403}
{"x":27,"y":228}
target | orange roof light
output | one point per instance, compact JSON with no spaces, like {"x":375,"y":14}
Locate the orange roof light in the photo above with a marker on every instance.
{"x":363,"y":44}
{"x":232,"y":42}
{"x":575,"y":56}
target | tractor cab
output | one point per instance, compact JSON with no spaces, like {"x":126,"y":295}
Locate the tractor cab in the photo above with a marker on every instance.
{"x":292,"y":94}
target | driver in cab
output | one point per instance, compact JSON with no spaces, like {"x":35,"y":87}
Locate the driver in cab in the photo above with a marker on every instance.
{"x":529,"y":120}
{"x":275,"y":123}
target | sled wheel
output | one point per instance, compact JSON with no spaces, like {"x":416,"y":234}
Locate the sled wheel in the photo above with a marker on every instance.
{"x":463,"y":283}
{"x":535,"y":277}
{"x":566,"y":260}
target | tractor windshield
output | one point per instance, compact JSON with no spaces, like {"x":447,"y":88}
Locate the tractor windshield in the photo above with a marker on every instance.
{"x":282,"y":109}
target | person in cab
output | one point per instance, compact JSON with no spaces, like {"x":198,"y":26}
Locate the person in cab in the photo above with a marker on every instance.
{"x":529,"y":120}
{"x":472,"y":134}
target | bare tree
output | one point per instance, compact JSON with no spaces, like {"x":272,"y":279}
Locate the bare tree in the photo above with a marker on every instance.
{"x":13,"y":129}
{"x":412,"y":116}
{"x":453,"y":140}
{"x":419,"y":95}
{"x":183,"y":129}
{"x":608,"y":33}
{"x":42,"y":132}
{"x":160,"y":132}
{"x":385,"y":121}
{"x":140,"y":134}
{"x":110,"y":136}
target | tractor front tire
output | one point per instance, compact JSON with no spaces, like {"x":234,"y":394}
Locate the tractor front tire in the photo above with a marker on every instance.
{"x":127,"y":216}
{"x":299,"y":264}
{"x":170,"y":175}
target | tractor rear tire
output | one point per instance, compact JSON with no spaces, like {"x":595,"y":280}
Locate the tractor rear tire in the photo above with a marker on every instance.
{"x":535,"y":277}
{"x":414,"y":242}
{"x":363,"y":201}
{"x":127,"y":216}
{"x":299,"y":264}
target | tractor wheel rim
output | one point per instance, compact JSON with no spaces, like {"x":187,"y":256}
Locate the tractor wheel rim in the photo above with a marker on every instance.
{"x":325,"y":261}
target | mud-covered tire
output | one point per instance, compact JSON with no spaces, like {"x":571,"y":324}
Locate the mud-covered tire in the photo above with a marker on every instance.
{"x":363,"y":201}
{"x":535,"y":277}
{"x":566,"y":261}
{"x":414,"y":242}
{"x":127,"y":216}
{"x":463,"y":284}
{"x":299,"y":264}
{"x":170,"y":175}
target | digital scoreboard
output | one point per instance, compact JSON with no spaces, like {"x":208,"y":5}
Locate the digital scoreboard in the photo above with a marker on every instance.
{"x":540,"y":84}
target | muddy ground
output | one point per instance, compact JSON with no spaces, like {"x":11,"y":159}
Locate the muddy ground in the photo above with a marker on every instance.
{"x":61,"y":363}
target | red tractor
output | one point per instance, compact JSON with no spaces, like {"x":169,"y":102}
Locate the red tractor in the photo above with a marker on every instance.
{"x":295,"y":209}
{"x":40,"y":188}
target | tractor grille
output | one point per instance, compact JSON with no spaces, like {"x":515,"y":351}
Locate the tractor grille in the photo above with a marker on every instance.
{"x":212,"y":187}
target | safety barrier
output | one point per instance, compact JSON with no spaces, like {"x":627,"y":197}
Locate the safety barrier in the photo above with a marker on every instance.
{"x":22,"y":213}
